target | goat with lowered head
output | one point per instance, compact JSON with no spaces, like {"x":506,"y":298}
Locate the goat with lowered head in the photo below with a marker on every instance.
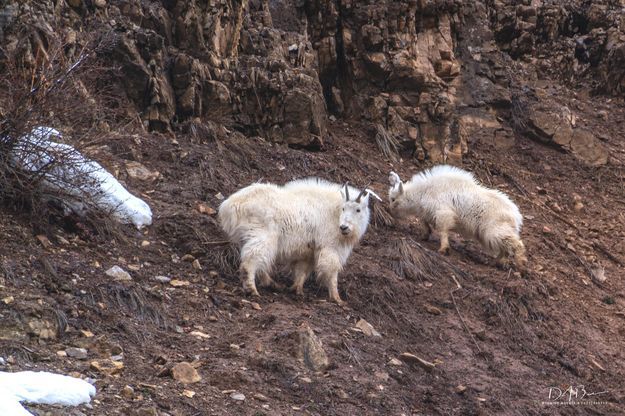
{"x":308,"y":224}
{"x":448,"y":199}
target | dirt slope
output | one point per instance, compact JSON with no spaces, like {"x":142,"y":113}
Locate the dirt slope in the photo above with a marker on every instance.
{"x":214,"y":97}
{"x":505,"y":338}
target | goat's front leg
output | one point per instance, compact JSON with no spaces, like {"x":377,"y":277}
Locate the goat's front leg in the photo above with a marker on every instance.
{"x":445,"y":222}
{"x":328,"y":267}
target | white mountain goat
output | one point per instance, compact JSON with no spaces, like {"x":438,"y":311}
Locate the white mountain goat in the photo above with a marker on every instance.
{"x":448,"y":199}
{"x":79,"y":183}
{"x":309,"y":224}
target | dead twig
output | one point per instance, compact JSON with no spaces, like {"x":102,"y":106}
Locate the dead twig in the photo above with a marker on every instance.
{"x":466,"y":328}
{"x":552,"y":212}
{"x":607,"y":253}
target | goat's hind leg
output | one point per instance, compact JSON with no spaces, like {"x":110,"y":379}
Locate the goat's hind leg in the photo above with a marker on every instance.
{"x":301,"y":270}
{"x":257,"y":256}
{"x":267,"y":281}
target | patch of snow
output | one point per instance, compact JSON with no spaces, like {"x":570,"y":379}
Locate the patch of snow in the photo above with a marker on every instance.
{"x":84,"y":183}
{"x":42,"y":388}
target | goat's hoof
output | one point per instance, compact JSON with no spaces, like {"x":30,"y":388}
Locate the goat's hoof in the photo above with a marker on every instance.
{"x":252,"y":291}
{"x":299,"y":291}
{"x":444,"y":251}
{"x":338,"y":301}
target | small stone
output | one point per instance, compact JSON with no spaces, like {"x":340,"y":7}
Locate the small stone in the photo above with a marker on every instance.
{"x":127,"y":393}
{"x":42,"y":328}
{"x":311,"y":350}
{"x":8,"y":300}
{"x":256,"y":306}
{"x":196,"y":264}
{"x":77,"y":353}
{"x":118,"y":274}
{"x":547,"y":230}
{"x":341,"y":394}
{"x":433,"y":310}
{"x":162,"y":279}
{"x":107,"y":367}
{"x":199,"y":334}
{"x":135,"y":169}
{"x":238,"y":397}
{"x":306,"y":380}
{"x":367,"y":328}
{"x":188,"y":393}
{"x":185,"y":373}
{"x":395,"y":361}
{"x":145,"y":243}
{"x":100,"y":3}
{"x":260,"y":397}
{"x":460,"y":389}
{"x":381,"y":375}
{"x":578,"y":206}
{"x":179,"y":283}
{"x":598,"y":274}
{"x":219,"y":196}
{"x":411,"y":358}
{"x":61,"y":353}
{"x":188,"y":258}
{"x":86,"y":333}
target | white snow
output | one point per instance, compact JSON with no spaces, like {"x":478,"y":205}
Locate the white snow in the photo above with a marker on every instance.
{"x":40,"y":387}
{"x":85,"y":184}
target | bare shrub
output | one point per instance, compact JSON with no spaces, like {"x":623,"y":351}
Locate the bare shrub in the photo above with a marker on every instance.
{"x":65,"y":88}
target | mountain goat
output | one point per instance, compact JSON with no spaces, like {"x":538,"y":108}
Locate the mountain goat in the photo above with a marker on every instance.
{"x":448,"y":199}
{"x":309,"y":224}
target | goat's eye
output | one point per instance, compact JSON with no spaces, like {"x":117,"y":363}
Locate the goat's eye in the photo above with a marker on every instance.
{"x":358,"y":210}
{"x":392,"y":199}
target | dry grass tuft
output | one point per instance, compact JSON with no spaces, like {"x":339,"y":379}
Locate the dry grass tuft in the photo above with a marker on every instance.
{"x":410,"y":260}
{"x":387,"y":143}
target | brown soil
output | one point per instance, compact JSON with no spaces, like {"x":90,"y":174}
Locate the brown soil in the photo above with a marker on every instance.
{"x":506,"y":338}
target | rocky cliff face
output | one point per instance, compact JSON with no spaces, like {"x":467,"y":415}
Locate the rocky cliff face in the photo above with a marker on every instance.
{"x":429,"y":75}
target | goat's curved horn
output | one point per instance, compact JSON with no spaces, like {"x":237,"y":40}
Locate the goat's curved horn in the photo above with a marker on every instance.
{"x":401,"y":188}
{"x":363,"y":192}
{"x":346,"y":191}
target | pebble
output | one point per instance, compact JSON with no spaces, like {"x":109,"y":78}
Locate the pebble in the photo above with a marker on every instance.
{"x":185,"y":373}
{"x":78,"y":353}
{"x":367,"y":328}
{"x":162,"y":279}
{"x":237,"y":396}
{"x":118,"y":274}
{"x":128,"y":392}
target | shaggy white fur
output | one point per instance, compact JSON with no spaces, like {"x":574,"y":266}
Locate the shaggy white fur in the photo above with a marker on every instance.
{"x":310,"y":224}
{"x":448,"y":198}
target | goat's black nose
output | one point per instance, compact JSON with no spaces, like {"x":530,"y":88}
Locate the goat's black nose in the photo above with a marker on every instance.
{"x":344,"y":227}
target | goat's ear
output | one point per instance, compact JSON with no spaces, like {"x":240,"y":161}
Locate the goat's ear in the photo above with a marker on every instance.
{"x":346,"y":191}
{"x":393,"y":179}
{"x":401,"y":188}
